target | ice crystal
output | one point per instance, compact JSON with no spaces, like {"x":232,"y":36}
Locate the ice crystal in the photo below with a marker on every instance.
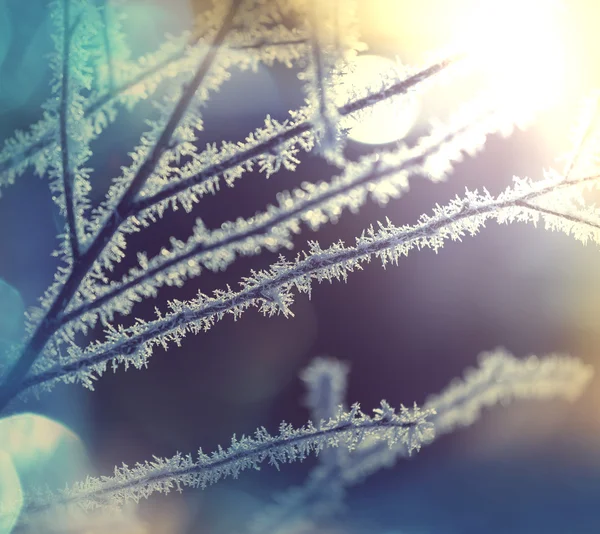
{"x":87,"y":320}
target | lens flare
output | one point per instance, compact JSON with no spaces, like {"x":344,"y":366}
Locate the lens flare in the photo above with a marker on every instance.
{"x":519,"y":46}
{"x":386,"y":121}
{"x":43,"y":451}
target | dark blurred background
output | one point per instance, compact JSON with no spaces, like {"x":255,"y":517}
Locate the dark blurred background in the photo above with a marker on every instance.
{"x":406,"y":331}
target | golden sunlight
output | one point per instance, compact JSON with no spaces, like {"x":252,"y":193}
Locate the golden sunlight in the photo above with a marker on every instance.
{"x":519,"y":46}
{"x":387,"y":121}
{"x":531,"y":55}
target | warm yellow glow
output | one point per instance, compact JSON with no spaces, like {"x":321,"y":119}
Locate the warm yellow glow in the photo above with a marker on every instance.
{"x":519,"y":46}
{"x":29,"y":435}
{"x":11,"y":496}
{"x":43,"y":451}
{"x":386,"y":121}
{"x":137,"y":90}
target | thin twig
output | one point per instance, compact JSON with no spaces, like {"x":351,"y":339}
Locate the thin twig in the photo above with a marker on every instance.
{"x":311,"y":265}
{"x":271,"y":144}
{"x":47,"y":326}
{"x":107,"y":46}
{"x":49,"y":138}
{"x":318,"y":78}
{"x":410,"y":165}
{"x":591,"y":119}
{"x":409,"y":427}
{"x":566,"y":216}
{"x":67,"y":176}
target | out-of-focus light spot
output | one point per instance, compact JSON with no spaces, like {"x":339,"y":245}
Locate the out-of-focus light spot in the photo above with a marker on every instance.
{"x":11,"y":496}
{"x":43,"y":451}
{"x":519,"y":46}
{"x":29,"y":434}
{"x":11,"y":312}
{"x":388,"y":120}
{"x":172,"y":16}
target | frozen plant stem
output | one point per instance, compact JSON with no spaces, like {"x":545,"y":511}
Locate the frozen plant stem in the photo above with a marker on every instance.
{"x":129,"y":205}
{"x":97,"y":281}
{"x":47,"y":327}
{"x":409,"y":427}
{"x":107,"y":45}
{"x":114,"y":93}
{"x":270,"y":290}
{"x":498,"y":377}
{"x":64,"y":140}
{"x":288,"y":218}
{"x":241,"y":157}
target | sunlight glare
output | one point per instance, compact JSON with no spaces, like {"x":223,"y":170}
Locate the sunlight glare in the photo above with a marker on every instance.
{"x":520,"y":47}
{"x":386,"y":121}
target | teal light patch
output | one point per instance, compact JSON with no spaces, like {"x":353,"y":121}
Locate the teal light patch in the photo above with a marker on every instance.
{"x":11,"y":496}
{"x":11,"y":313}
{"x":147,"y":15}
{"x":23,"y":54}
{"x":44,"y":452}
{"x":5,"y":31}
{"x":12,"y":318}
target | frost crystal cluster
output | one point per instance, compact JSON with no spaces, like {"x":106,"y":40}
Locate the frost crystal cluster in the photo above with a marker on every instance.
{"x":86,"y":321}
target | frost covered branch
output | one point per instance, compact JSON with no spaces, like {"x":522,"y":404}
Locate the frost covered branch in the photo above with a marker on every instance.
{"x":408,"y":427}
{"x":67,"y":177}
{"x":498,"y":378}
{"x":139,"y":79}
{"x":170,"y":168}
{"x":39,"y":338}
{"x":312,"y":205}
{"x":271,"y":291}
{"x":127,"y":205}
{"x":584,"y":134}
{"x":277,"y":138}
